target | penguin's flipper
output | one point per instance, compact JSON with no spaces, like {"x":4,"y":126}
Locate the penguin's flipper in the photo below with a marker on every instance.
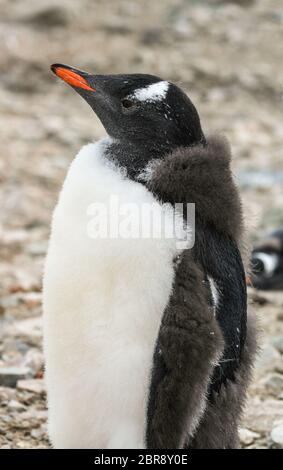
{"x":188,"y":347}
{"x":222,"y":262}
{"x":218,"y":428}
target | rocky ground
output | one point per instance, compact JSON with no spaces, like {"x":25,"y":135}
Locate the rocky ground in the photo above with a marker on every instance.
{"x":228,"y":56}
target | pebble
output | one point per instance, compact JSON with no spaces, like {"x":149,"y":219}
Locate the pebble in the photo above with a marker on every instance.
{"x":278,"y":343}
{"x":31,"y":299}
{"x":257,"y":298}
{"x":15,"y":345}
{"x":259,"y":179}
{"x":267,"y":358}
{"x":33,"y":385}
{"x":274,"y":383}
{"x":15,"y":405}
{"x":247,"y":437}
{"x":29,"y":329}
{"x":279,"y":367}
{"x":8,"y":301}
{"x":37,"y":248}
{"x":49,"y":16}
{"x":9,"y":376}
{"x":22,"y":445}
{"x":7,"y":393}
{"x":34,"y":360}
{"x":261,"y":414}
{"x":38,"y":433}
{"x":277,"y":435}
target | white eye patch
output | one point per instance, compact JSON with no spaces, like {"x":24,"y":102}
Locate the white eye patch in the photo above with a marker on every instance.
{"x":151,"y":93}
{"x":270,"y":262}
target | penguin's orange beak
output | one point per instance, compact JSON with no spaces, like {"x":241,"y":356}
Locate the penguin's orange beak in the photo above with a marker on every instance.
{"x":71,"y":76}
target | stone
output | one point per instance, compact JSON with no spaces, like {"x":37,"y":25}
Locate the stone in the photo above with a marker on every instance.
{"x":37,"y":248}
{"x":151,"y":36}
{"x":15,"y":345}
{"x":267,"y":358}
{"x":6,"y":419}
{"x":247,"y":437}
{"x":277,"y":435}
{"x":34,"y":360}
{"x":258,"y":298}
{"x":29,"y":330}
{"x":15,"y":405}
{"x":38,"y":433}
{"x":260,"y":415}
{"x":23,"y":445}
{"x":33,"y":385}
{"x":48,"y":17}
{"x":9,"y":376}
{"x":8,"y":301}
{"x":279,"y":367}
{"x":278,"y":343}
{"x":31,"y":299}
{"x":274,"y":383}
{"x":7,"y":393}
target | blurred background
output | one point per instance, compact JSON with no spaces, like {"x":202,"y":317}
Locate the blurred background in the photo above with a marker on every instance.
{"x":227,"y":55}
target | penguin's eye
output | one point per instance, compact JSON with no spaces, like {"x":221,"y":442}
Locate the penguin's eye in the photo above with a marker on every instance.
{"x":127,"y":103}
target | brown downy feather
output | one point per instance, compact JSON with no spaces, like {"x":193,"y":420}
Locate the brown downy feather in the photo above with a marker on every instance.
{"x":182,"y":412}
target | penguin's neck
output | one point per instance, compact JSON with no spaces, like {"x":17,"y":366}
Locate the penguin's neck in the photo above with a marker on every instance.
{"x":134,"y":158}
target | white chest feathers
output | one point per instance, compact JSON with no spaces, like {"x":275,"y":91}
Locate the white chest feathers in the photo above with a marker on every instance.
{"x":103,"y":302}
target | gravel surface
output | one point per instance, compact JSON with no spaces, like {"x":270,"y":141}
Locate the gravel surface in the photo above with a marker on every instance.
{"x":228,"y":56}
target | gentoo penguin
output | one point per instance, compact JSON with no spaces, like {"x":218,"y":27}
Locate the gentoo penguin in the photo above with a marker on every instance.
{"x":147,"y":343}
{"x":267,"y":262}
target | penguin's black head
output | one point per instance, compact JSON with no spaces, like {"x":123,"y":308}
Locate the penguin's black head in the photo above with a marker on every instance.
{"x":141,"y":111}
